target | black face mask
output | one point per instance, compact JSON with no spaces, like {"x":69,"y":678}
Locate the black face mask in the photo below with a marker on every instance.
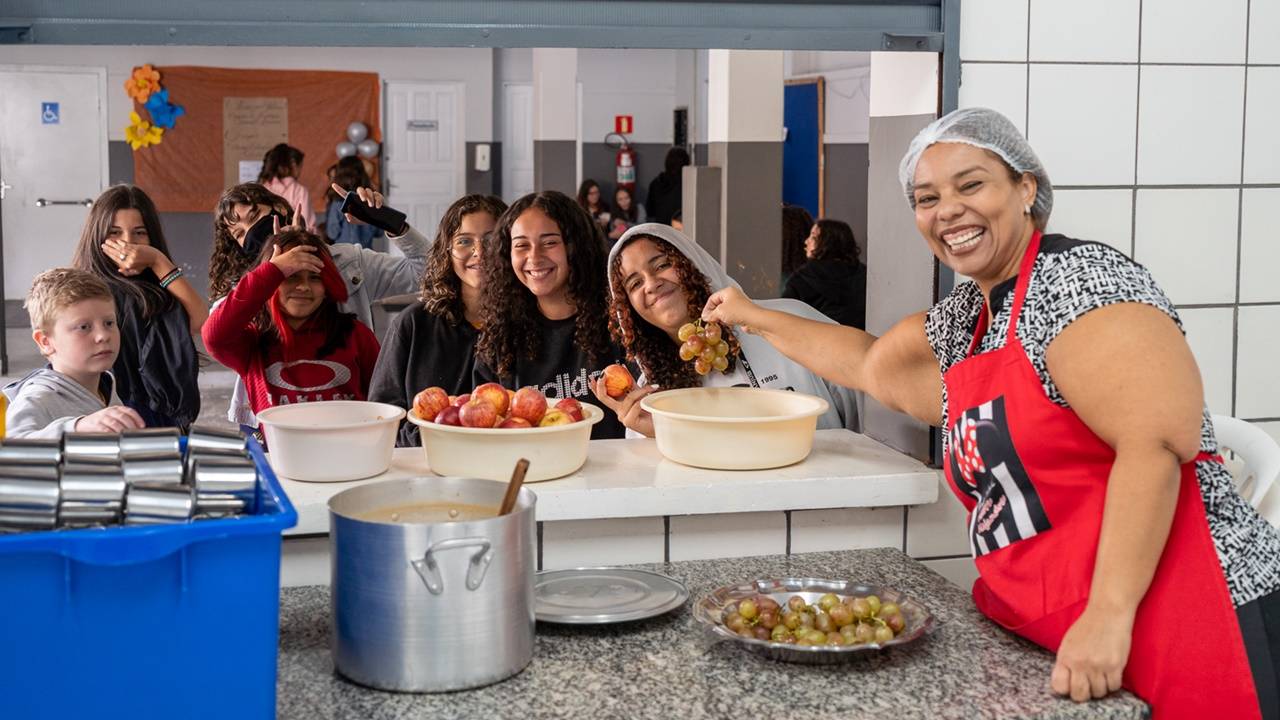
{"x":256,"y":237}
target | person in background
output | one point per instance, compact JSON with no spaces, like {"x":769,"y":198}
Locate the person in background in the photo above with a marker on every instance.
{"x":589,"y":200}
{"x":73,"y":321}
{"x":158,"y":310}
{"x":796,"y":223}
{"x":1075,"y":435}
{"x":677,"y":220}
{"x":247,"y":215}
{"x":282,"y":331}
{"x":431,"y":343}
{"x":349,"y":174}
{"x":281,"y":168}
{"x":659,"y":281}
{"x":834,"y":280}
{"x":666,"y":197}
{"x":626,"y":213}
{"x":545,"y":303}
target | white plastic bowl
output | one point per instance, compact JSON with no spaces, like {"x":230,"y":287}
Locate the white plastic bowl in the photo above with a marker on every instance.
{"x":734,"y":428}
{"x":491,"y":453}
{"x":331,"y":441}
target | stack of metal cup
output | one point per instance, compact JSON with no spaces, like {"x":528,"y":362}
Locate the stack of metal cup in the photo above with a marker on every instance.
{"x":92,"y":481}
{"x":221,"y":473}
{"x":29,"y":489}
{"x":152,"y":464}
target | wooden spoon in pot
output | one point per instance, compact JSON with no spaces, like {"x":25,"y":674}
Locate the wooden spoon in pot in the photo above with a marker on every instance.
{"x":513,"y":488}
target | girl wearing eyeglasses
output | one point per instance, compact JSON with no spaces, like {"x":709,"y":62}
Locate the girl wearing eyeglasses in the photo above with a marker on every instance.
{"x":432,"y":342}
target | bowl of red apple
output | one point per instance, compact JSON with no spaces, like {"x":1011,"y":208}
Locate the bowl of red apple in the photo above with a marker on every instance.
{"x":481,"y":434}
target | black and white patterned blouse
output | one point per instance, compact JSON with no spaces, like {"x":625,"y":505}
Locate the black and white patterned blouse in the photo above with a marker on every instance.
{"x":1071,"y":278}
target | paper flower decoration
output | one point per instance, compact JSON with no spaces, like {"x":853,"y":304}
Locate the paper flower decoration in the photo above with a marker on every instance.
{"x":163,"y":113}
{"x":144,"y":81}
{"x":141,"y":133}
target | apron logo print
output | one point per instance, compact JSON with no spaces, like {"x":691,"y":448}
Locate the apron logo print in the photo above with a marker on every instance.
{"x":982,"y":457}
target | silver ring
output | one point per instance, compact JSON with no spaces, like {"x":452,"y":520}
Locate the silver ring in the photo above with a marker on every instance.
{"x":121,"y":256}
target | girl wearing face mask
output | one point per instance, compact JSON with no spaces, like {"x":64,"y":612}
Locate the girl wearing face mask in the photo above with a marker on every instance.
{"x":431,"y":343}
{"x":659,"y":280}
{"x":158,"y":310}
{"x":283,"y":333}
{"x":248,"y":214}
{"x":545,"y":302}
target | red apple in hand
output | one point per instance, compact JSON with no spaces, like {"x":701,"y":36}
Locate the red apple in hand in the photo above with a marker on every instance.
{"x":570,"y":407}
{"x":461,"y":400}
{"x":515,"y":422}
{"x":618,"y":381}
{"x":495,"y":395}
{"x":428,"y":403}
{"x":555,"y":417}
{"x":448,"y":416}
{"x":478,"y":414}
{"x":529,"y":404}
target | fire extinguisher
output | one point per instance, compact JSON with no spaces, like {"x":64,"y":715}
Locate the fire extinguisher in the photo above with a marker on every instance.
{"x":624,"y":162}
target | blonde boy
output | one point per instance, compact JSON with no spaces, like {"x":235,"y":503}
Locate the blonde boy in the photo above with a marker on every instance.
{"x":73,"y":321}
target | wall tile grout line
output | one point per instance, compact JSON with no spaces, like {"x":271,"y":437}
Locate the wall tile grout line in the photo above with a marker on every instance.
{"x":965,"y":556}
{"x":906,"y":517}
{"x":1173,"y":186}
{"x":787,"y":514}
{"x":1244,"y":126}
{"x":666,"y":539}
{"x":1137,"y":143}
{"x":539,"y":525}
{"x":1026,"y":68}
{"x":1120,"y":63}
{"x":1226,"y":305}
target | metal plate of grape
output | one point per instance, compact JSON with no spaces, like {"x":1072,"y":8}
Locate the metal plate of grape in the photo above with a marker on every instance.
{"x":781,"y":618}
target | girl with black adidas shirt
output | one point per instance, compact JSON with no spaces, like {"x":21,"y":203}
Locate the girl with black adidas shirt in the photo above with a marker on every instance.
{"x":545,"y":303}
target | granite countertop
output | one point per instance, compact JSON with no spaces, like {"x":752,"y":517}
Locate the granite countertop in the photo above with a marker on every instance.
{"x":668,"y":668}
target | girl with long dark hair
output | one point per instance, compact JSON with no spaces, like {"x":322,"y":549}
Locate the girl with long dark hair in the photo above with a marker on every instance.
{"x":545,"y":302}
{"x":833,"y":280}
{"x":158,"y":310}
{"x":659,"y":280}
{"x":432,"y":342}
{"x":281,"y":168}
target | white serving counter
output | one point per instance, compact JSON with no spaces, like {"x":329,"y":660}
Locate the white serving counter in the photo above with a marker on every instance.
{"x":628,"y":504}
{"x":630,"y":478}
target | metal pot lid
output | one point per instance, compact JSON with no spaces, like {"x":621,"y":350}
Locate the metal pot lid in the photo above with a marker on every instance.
{"x":599,"y":596}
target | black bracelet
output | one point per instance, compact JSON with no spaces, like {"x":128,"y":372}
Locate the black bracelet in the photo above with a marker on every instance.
{"x":171,"y":276}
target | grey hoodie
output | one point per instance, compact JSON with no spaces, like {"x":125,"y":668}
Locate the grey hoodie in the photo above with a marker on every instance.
{"x":46,"y":403}
{"x":767,"y":367}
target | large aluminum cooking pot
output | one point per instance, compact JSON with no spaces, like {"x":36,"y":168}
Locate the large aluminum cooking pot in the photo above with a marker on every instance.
{"x":431,"y":607}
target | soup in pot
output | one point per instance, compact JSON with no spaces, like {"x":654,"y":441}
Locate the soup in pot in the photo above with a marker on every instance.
{"x":432,"y":512}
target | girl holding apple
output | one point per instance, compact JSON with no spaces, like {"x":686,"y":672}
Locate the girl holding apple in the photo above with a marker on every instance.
{"x":545,"y":303}
{"x":659,"y":281}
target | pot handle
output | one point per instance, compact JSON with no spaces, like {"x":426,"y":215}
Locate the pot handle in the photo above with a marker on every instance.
{"x":429,"y":570}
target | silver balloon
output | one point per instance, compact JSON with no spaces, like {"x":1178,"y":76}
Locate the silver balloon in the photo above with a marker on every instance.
{"x":357,"y":131}
{"x":346,"y":149}
{"x":368,"y":148}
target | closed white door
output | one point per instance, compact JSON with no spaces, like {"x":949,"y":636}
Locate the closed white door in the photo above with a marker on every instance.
{"x":53,"y":161}
{"x":424,"y":150}
{"x":517,"y":141}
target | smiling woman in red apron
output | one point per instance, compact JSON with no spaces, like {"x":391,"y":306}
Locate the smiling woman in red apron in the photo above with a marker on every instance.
{"x":1102,"y":522}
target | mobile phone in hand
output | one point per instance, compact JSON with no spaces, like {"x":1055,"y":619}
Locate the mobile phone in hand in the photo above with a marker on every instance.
{"x":387,"y":219}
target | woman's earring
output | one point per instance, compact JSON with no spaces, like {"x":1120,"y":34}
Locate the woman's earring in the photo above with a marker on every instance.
{"x":1026,"y":210}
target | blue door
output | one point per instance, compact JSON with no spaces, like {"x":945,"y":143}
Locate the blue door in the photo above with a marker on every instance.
{"x":800,"y":167}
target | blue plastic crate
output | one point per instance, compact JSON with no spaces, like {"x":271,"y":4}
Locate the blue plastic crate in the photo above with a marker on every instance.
{"x":176,"y":621}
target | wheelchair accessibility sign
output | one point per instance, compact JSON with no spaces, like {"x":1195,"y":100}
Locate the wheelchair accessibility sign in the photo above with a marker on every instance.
{"x":49,"y":113}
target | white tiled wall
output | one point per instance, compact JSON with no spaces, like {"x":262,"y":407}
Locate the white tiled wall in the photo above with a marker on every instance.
{"x":700,"y":537}
{"x":590,"y":543}
{"x":1156,"y":120}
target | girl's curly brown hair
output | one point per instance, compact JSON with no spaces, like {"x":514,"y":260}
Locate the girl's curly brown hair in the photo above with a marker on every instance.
{"x":647,"y":345}
{"x":229,"y":263}
{"x":510,"y":312}
{"x":441,"y":293}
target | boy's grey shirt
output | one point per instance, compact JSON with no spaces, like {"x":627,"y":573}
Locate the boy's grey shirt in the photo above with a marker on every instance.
{"x":46,"y":403}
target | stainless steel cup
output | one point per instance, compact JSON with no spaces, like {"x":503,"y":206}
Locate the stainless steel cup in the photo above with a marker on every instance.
{"x":150,"y":443}
{"x":225,"y":475}
{"x":90,"y":447}
{"x":30,"y":452}
{"x":205,"y":440}
{"x":431,"y":607}
{"x":219,"y":504}
{"x":27,"y":520}
{"x":162,"y":470}
{"x":159,"y":501}
{"x":88,"y":513}
{"x":90,"y":482}
{"x":32,"y":488}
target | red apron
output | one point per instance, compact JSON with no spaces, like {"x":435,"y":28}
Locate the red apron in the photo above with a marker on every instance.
{"x":1033,"y":477}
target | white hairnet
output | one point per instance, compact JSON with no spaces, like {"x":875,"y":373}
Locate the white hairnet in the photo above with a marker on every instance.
{"x":987,"y":129}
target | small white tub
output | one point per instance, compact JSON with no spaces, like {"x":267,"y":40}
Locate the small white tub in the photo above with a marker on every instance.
{"x":331,"y":441}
